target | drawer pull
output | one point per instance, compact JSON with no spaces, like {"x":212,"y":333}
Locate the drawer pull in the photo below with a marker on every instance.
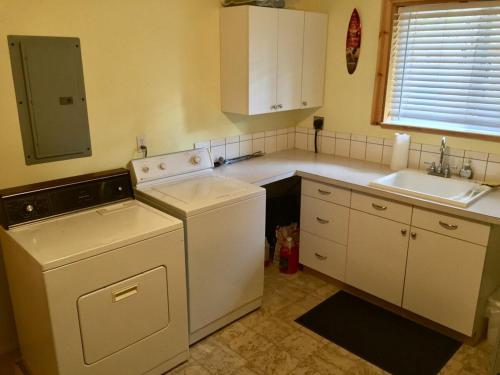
{"x":324,"y":192}
{"x":322,"y":221}
{"x":448,"y":226}
{"x":320,"y":257}
{"x":122,"y":294}
{"x":379,"y":207}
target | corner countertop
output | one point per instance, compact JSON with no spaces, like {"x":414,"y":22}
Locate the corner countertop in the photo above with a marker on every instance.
{"x":350,"y":174}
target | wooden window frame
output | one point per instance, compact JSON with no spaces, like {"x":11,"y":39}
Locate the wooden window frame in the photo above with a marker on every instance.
{"x":389,"y":9}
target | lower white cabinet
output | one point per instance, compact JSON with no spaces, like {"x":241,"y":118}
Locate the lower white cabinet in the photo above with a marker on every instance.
{"x":322,"y":255}
{"x":430,"y":263}
{"x":376,"y":257}
{"x":443,"y":279}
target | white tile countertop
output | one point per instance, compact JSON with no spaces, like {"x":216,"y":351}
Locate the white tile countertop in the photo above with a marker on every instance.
{"x":347,"y":173}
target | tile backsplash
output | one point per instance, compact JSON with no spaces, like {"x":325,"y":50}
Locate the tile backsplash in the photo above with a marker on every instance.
{"x":354,"y":146}
{"x":240,"y":145}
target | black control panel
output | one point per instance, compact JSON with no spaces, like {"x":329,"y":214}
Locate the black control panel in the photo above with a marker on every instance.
{"x":34,"y":202}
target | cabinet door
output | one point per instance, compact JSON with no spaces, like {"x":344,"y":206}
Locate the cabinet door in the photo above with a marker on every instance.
{"x":263,"y":57}
{"x":314,"y":65}
{"x":443,"y":278}
{"x":376,"y":256}
{"x":290,"y":53}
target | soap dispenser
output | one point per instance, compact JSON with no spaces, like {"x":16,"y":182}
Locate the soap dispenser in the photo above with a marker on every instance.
{"x":466,"y":171}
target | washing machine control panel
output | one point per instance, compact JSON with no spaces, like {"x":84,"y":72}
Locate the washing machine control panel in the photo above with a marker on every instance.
{"x":39,"y":201}
{"x":169,"y":165}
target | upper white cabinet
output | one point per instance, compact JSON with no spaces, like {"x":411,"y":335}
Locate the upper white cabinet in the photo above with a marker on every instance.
{"x":290,"y":52}
{"x":314,"y":62}
{"x":264,"y":67}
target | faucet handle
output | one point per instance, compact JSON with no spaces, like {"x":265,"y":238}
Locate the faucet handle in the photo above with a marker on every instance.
{"x":446,"y":171}
{"x":432,"y":166}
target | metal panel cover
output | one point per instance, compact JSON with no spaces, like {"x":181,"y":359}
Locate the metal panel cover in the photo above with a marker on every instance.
{"x":50,"y":93}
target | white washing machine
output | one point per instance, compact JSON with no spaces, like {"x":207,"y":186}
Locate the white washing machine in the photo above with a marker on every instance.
{"x":97,"y":279}
{"x":224,"y":222}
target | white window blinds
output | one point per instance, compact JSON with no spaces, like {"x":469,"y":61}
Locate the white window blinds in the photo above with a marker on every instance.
{"x":445,"y":67}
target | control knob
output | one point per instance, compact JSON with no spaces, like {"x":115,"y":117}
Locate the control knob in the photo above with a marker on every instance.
{"x":195,"y":160}
{"x":145,"y":169}
{"x":163,"y":166}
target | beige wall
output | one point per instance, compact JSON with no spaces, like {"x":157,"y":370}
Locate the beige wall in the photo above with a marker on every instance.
{"x":348,"y":98}
{"x":151,"y":67}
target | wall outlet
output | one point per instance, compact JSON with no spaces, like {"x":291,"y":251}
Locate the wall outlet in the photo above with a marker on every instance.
{"x":318,"y":122}
{"x":141,"y":141}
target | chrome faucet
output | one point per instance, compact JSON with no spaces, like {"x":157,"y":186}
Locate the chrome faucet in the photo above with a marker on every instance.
{"x":442,"y":169}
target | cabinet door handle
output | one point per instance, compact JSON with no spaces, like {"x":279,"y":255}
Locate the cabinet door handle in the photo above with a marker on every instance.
{"x":322,"y":221}
{"x":273,"y":107}
{"x":320,"y":257}
{"x":403,"y":232}
{"x":280,"y":106}
{"x":448,"y":226}
{"x":324,"y":192}
{"x":379,"y":207}
{"x":304,"y":103}
{"x":413,"y":235}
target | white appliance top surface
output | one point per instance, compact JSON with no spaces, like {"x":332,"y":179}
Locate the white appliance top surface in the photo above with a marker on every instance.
{"x":197,"y":192}
{"x":201,"y":189}
{"x":69,"y":238}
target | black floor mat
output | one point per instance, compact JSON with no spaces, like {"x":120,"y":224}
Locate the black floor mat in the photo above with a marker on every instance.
{"x":393,"y":343}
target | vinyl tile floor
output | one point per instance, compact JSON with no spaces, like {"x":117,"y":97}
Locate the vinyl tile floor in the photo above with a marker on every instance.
{"x":268,"y":341}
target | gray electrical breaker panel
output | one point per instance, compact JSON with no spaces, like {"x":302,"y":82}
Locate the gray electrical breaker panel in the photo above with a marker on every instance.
{"x":50,"y":93}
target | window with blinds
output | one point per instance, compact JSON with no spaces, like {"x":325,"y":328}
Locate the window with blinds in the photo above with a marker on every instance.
{"x":444,"y":70}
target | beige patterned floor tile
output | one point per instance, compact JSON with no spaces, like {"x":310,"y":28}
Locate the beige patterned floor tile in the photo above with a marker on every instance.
{"x":274,"y":329}
{"x":300,"y":345}
{"x":274,"y":361}
{"x":339,"y":357}
{"x":255,"y":318}
{"x":292,"y":293}
{"x":326,"y":291}
{"x":223,"y":361}
{"x":202,"y":349}
{"x":290,"y":313}
{"x":322,"y":367}
{"x":302,"y":370}
{"x":274,"y":302}
{"x":244,"y":371}
{"x":249,"y":343}
{"x":230,"y":332}
{"x":190,"y":367}
{"x":310,"y":301}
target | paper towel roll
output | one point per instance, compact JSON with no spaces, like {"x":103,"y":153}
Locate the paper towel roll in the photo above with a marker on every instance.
{"x":400,"y":152}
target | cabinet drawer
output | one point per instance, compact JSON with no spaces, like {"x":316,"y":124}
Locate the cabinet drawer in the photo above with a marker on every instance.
{"x":451,"y":226}
{"x":326,"y":192}
{"x":324,"y":219}
{"x":322,"y":255}
{"x":381,"y":207}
